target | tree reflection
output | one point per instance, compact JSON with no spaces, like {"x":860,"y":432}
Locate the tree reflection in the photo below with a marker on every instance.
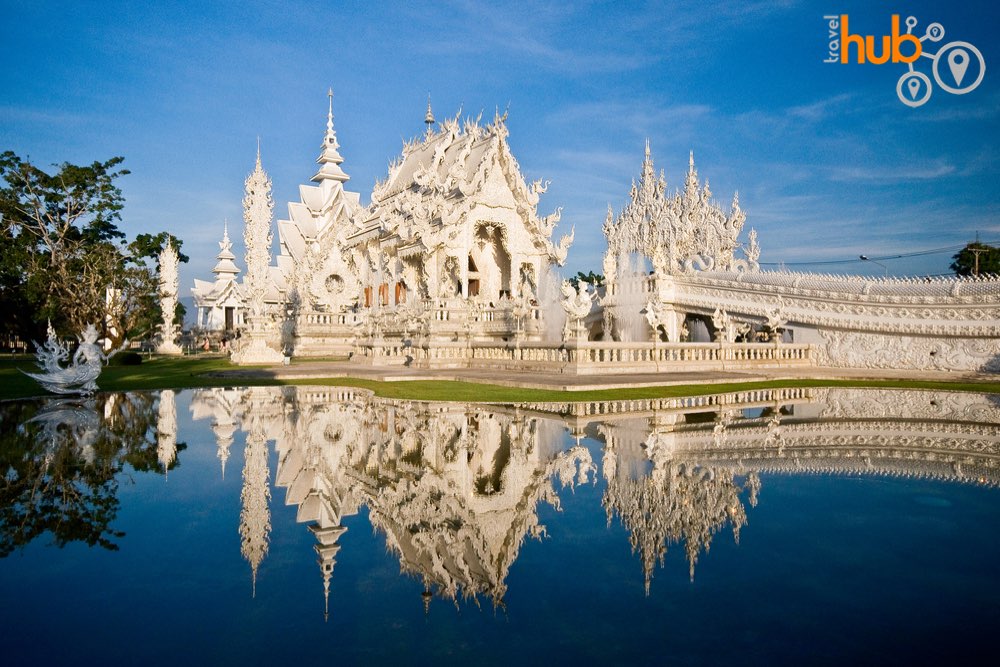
{"x":61,"y":462}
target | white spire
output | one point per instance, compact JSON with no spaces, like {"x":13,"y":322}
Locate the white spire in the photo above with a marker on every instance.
{"x":329,"y":158}
{"x":225,"y":269}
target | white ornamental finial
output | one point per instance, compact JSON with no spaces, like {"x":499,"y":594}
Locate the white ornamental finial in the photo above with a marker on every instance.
{"x":329,"y":114}
{"x":330,"y":138}
{"x":429,"y":118}
{"x":691,"y":162}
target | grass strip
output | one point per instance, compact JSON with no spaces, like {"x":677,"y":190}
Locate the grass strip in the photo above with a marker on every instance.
{"x":193,"y":372}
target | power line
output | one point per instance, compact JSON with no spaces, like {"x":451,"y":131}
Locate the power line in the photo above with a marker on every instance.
{"x":919,"y":253}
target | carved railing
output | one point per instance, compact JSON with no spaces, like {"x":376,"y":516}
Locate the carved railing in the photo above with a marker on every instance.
{"x":317,"y":322}
{"x":754,"y":398}
{"x":936,"y":289}
{"x":442,"y":318}
{"x":944,"y":308}
{"x":586,"y":357}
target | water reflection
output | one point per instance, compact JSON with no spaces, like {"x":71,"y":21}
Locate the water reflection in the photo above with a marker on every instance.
{"x":61,"y":461}
{"x":452,"y":487}
{"x":455,"y":489}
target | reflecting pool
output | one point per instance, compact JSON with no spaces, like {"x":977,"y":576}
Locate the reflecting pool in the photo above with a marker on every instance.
{"x":295,"y":524}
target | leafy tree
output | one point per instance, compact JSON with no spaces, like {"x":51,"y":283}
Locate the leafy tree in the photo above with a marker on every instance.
{"x":591,"y":278}
{"x":14,"y":301}
{"x":965,"y":261}
{"x":62,"y":256}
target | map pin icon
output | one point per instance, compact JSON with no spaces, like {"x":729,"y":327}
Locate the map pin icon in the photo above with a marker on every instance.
{"x":958,"y":62}
{"x":914,"y":86}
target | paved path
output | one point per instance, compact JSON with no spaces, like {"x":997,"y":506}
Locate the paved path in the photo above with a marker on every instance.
{"x":569,"y":382}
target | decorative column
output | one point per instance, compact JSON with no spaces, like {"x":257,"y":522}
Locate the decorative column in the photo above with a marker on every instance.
{"x":168,"y":300}
{"x":258,"y":208}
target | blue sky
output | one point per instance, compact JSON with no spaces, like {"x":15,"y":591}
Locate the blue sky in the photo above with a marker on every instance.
{"x":828,"y":162}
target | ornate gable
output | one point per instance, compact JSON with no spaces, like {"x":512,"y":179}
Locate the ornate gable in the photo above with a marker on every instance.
{"x":433,"y":190}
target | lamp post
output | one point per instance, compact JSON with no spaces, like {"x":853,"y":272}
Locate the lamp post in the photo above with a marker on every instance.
{"x":866,"y":258}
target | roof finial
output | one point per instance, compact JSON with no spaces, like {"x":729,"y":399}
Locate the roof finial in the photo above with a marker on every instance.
{"x":429,"y":118}
{"x":329,"y":114}
{"x":258,"y":152}
{"x":691,"y":161}
{"x":647,"y":146}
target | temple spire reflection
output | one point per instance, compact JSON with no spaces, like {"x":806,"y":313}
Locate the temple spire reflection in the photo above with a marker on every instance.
{"x":255,"y":516}
{"x":166,"y":430}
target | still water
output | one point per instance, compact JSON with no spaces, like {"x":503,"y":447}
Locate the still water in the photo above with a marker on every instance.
{"x":297,"y":525}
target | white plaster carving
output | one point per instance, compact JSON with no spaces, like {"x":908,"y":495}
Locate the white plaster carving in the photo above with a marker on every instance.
{"x":168,"y":300}
{"x":80,"y":375}
{"x":577,"y":303}
{"x":681,"y":233}
{"x":257,"y":212}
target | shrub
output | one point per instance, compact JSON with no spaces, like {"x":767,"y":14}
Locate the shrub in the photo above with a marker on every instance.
{"x":126,"y":359}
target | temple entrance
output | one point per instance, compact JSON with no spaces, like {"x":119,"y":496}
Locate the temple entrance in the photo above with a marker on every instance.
{"x":230,"y":317}
{"x":491,"y":260}
{"x":473,"y":277}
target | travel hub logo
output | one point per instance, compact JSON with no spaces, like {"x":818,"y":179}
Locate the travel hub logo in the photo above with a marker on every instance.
{"x":957,"y":67}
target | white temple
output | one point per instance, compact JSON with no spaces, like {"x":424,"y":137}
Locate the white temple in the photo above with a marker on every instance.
{"x":220,"y":303}
{"x":451,"y":266}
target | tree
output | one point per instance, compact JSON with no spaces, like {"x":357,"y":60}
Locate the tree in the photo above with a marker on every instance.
{"x":976,"y":259}
{"x":14,"y":302}
{"x":63,"y":257}
{"x":63,"y":464}
{"x":590,"y":278}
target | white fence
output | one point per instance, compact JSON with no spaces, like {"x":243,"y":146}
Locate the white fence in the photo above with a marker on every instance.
{"x":587,"y":358}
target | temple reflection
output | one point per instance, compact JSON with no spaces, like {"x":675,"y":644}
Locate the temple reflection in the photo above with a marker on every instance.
{"x":455,"y":489}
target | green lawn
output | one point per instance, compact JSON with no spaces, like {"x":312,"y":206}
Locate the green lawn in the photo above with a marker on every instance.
{"x":179,"y":373}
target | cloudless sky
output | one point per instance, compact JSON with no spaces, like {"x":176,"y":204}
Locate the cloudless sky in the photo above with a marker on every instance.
{"x":828,"y":162}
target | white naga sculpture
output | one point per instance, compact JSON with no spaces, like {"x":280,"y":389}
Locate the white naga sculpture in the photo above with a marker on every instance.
{"x":168,"y":300}
{"x":80,"y":375}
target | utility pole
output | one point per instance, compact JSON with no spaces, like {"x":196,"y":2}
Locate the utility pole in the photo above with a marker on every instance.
{"x":977,"y":252}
